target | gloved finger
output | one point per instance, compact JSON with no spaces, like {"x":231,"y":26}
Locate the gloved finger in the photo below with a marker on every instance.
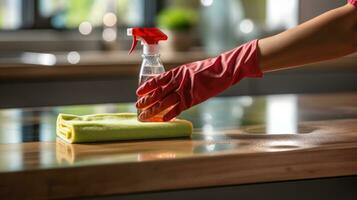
{"x":148,"y":99}
{"x":159,"y":107}
{"x":175,"y":111}
{"x":155,"y":95}
{"x":154,"y":83}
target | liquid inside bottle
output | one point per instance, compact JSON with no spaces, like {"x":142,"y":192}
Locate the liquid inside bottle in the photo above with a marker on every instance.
{"x":151,"y":67}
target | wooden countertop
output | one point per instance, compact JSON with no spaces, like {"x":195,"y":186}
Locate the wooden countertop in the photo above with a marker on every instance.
{"x":236,"y":141}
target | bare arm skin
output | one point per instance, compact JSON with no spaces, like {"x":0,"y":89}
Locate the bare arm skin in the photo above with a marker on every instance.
{"x":328,"y":36}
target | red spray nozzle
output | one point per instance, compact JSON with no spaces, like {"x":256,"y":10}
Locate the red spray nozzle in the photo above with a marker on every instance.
{"x":148,"y":35}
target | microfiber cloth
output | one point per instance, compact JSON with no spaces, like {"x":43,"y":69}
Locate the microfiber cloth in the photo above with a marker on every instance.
{"x":120,"y":126}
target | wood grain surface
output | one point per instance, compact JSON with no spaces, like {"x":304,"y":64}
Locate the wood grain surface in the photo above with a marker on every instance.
{"x":226,"y":157}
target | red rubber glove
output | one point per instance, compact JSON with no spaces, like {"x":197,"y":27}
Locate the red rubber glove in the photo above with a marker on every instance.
{"x":193,"y":83}
{"x":353,"y":2}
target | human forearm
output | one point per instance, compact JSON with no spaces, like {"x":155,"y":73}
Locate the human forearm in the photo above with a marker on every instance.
{"x":327,"y":36}
{"x":330,"y":35}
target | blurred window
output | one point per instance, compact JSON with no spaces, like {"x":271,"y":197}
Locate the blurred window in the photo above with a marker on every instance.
{"x":10,"y":14}
{"x":217,"y":25}
{"x":63,"y":14}
{"x":70,"y":14}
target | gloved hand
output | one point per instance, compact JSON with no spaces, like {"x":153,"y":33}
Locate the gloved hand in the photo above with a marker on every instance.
{"x":193,"y":83}
{"x":353,"y":2}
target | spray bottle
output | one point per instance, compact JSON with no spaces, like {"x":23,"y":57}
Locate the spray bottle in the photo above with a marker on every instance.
{"x":151,"y":65}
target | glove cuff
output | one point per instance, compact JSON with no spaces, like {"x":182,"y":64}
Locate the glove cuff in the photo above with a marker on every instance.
{"x":251,"y":68}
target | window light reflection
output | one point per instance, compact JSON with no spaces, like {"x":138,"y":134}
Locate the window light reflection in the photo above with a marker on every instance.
{"x":246,"y":26}
{"x":10,"y":132}
{"x":281,"y":114}
{"x":109,"y":34}
{"x":109,"y":19}
{"x":38,"y":58}
{"x":282,"y":13}
{"x":47,"y":126}
{"x":73,"y":57}
{"x":85,"y":28}
{"x":206,"y":2}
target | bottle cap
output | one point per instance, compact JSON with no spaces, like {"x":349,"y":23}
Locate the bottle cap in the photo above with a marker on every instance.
{"x":149,"y":37}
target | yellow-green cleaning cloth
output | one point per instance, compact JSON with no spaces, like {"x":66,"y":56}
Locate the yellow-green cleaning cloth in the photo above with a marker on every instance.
{"x":120,"y":126}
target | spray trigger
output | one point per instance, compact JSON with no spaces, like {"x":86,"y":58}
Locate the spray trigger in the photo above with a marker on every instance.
{"x":133,"y":45}
{"x":148,"y":36}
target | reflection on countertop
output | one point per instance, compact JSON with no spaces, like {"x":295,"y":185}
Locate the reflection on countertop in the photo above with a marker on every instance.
{"x":274,"y":114}
{"x":105,"y":152}
{"x":221,"y":125}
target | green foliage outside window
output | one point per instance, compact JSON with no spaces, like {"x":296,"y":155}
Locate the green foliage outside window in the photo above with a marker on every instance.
{"x":78,"y":11}
{"x":177,"y":19}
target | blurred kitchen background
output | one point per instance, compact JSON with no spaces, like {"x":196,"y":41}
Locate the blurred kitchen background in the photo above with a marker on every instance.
{"x":64,"y":52}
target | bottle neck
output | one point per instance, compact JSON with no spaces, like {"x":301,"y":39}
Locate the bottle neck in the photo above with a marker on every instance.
{"x":150,"y":55}
{"x":151,"y":49}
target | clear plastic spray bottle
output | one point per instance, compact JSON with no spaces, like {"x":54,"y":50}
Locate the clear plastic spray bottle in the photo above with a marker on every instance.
{"x":151,"y":65}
